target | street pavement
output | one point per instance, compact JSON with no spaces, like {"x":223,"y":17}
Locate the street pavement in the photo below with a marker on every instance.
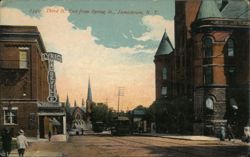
{"x":104,"y":145}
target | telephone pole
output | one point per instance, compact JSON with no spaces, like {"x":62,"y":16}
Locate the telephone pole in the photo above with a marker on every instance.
{"x":120,"y":93}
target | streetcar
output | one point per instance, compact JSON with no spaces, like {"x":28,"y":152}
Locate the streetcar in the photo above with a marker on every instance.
{"x":121,"y":126}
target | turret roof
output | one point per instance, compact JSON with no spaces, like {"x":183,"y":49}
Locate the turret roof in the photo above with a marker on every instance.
{"x":236,"y":9}
{"x":208,"y":8}
{"x":165,"y":46}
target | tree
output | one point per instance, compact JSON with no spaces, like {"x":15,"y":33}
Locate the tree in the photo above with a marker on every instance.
{"x":99,"y":112}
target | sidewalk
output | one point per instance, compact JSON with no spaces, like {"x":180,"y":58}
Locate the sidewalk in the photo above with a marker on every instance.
{"x":193,"y":138}
{"x":37,"y":153}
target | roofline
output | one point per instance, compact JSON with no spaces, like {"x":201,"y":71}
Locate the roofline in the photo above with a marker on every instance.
{"x":19,"y":30}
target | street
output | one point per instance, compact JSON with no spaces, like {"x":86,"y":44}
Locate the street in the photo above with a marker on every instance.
{"x":108,"y":146}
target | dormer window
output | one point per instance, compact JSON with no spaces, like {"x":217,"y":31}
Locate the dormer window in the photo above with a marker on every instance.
{"x":230,"y":48}
{"x":164,"y":73}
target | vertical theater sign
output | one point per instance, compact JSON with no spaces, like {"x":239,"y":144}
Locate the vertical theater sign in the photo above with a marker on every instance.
{"x":51,"y":57}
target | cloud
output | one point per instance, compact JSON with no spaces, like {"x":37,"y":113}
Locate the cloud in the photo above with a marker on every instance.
{"x":82,"y":56}
{"x":156,"y":25}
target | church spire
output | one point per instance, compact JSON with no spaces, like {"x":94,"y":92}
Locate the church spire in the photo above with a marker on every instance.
{"x":89,"y":100}
{"x":67,"y":105}
{"x":89,"y":96}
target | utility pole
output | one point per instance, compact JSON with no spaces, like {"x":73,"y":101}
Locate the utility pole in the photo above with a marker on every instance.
{"x":120,"y":93}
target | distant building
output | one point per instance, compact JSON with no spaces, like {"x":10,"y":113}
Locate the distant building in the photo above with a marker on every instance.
{"x":80,"y":117}
{"x":23,"y":84}
{"x":89,"y":101}
{"x":207,"y":84}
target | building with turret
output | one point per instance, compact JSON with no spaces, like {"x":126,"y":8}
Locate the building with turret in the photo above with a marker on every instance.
{"x":207,"y":83}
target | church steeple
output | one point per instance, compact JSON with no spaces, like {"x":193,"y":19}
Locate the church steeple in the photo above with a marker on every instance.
{"x":89,"y":100}
{"x":67,"y":105}
{"x":89,"y":96}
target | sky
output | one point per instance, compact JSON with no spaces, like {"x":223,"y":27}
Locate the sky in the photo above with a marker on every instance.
{"x":112,"y":42}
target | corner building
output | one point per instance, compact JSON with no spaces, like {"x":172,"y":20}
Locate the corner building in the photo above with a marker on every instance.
{"x":210,"y":67}
{"x":23,"y":84}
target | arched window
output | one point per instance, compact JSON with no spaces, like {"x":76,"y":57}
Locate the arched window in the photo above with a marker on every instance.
{"x":164,"y":73}
{"x":230,"y":47}
{"x":208,"y":46}
{"x":233,"y":103}
{"x":209,"y":103}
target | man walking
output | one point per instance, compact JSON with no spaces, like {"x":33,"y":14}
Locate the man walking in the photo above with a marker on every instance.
{"x":21,"y":143}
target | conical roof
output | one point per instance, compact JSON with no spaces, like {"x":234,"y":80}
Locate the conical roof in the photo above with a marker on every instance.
{"x":165,"y":46}
{"x":67,"y":104}
{"x":208,"y":8}
{"x":236,"y":9}
{"x":89,"y":96}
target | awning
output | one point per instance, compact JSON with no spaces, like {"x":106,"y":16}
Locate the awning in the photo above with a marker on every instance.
{"x":51,"y":113}
{"x":55,"y":122}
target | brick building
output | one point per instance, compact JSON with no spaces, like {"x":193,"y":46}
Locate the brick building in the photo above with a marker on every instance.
{"x":24,"y":86}
{"x":209,"y":76}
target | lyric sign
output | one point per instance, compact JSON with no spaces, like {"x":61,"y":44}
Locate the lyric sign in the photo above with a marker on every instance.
{"x":51,"y":57}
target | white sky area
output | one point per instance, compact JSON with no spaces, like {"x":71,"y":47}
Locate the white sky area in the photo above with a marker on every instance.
{"x":83,"y":57}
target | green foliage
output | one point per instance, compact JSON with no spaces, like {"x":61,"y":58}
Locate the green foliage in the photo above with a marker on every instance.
{"x":101,"y":113}
{"x":150,"y":113}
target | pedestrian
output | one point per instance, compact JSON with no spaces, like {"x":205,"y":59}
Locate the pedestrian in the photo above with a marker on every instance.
{"x":49,"y":135}
{"x":22,"y":143}
{"x":230,"y":134}
{"x":222,"y":133}
{"x":82,"y":131}
{"x":6,"y":142}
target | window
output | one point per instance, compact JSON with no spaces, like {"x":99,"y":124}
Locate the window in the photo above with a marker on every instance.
{"x":233,"y":103}
{"x":164,"y":91}
{"x":231,"y":75}
{"x":23,"y":59}
{"x":208,"y":79}
{"x":164,"y":73}
{"x":208,"y":47}
{"x":209,"y":103}
{"x":10,"y":116}
{"x":230,"y":47}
